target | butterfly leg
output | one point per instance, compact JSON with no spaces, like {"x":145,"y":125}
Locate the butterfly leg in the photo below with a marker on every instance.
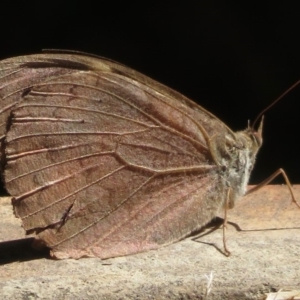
{"x":270,"y":178}
{"x":226,"y":207}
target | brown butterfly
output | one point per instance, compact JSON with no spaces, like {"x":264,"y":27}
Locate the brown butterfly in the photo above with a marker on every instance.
{"x":104,"y":161}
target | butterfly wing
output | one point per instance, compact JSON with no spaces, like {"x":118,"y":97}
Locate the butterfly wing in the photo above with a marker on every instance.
{"x":18,"y":75}
{"x":103,"y":161}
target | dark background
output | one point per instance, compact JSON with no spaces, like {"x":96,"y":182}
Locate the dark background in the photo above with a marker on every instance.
{"x":232,"y":58}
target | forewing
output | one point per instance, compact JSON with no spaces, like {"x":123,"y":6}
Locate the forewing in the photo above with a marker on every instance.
{"x":19,"y":74}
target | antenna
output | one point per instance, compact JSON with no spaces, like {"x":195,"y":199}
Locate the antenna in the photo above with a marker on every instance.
{"x":273,"y":103}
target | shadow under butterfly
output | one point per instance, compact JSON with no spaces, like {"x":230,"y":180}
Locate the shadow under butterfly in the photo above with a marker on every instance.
{"x":103,"y":161}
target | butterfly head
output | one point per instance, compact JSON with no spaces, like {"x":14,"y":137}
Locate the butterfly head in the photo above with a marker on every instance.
{"x":256,"y":135}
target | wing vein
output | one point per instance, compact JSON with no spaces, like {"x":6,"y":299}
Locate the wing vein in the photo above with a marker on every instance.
{"x":60,"y":163}
{"x":74,"y":192}
{"x":99,"y":219}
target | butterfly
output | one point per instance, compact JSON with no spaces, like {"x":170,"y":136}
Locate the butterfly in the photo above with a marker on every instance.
{"x":102,"y":161}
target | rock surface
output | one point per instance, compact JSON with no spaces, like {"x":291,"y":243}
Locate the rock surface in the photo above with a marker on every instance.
{"x":263,"y":235}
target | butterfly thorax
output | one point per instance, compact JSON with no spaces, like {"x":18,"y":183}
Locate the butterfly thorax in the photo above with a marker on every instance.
{"x":235,"y":154}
